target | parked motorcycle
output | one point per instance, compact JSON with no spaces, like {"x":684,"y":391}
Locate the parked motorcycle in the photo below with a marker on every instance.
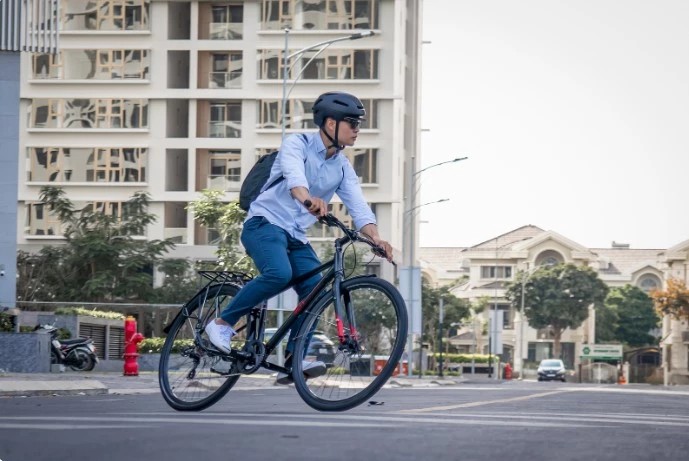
{"x":79,"y":354}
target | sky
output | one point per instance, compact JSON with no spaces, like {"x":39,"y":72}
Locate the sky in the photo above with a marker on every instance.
{"x":574,"y":115}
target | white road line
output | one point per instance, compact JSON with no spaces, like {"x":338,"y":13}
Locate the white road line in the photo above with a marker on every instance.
{"x":358,"y":422}
{"x":481,"y":403}
{"x":66,"y":427}
{"x":592,"y":419}
{"x":236,"y":421}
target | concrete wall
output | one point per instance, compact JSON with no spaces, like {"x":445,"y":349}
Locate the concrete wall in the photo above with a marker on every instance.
{"x":25,"y":352}
{"x":9,"y":169}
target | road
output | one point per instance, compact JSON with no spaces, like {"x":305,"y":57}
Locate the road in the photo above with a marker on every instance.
{"x":484,"y":421}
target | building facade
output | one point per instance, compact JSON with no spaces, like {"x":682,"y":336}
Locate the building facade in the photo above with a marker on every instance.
{"x":482,"y":272}
{"x":174,"y":97}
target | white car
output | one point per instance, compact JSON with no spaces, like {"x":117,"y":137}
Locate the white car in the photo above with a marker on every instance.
{"x":551,"y":369}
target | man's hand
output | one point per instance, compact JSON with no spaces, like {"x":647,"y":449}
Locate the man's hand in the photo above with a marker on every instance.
{"x":316,"y":206}
{"x":384,"y":245}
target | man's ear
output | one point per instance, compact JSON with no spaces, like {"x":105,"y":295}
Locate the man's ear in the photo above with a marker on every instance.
{"x":330,"y":124}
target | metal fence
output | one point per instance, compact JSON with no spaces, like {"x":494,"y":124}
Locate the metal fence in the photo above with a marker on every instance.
{"x":151,"y":318}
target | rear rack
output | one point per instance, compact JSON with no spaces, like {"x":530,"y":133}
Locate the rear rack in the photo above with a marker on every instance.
{"x":223,"y":277}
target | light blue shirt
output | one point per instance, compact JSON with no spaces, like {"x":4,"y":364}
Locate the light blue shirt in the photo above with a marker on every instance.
{"x":303,"y":164}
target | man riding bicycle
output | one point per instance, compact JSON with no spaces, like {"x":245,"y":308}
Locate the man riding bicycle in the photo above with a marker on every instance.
{"x":274,"y":233}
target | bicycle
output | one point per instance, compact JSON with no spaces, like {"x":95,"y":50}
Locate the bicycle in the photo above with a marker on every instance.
{"x":357,"y":326}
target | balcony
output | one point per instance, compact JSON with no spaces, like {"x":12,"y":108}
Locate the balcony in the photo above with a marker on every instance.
{"x":225,"y":79}
{"x":223,"y":182}
{"x":225,"y":31}
{"x":224,"y":129}
{"x":178,"y":235}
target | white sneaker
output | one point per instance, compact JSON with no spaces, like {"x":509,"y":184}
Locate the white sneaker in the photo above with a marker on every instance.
{"x":220,"y":335}
{"x":310,"y":370}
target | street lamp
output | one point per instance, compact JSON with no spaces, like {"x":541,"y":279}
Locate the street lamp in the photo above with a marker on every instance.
{"x":286,"y":67}
{"x":412,"y":271}
{"x":525,"y":278}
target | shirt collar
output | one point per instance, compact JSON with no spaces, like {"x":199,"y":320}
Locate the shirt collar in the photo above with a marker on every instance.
{"x":321,"y":147}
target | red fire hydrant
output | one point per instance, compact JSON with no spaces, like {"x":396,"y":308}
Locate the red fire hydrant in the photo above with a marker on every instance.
{"x":131,"y":340}
{"x":507,"y":373}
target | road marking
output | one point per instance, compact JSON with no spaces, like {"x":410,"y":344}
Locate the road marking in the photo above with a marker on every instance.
{"x":66,"y":427}
{"x":193,"y":420}
{"x":481,"y":403}
{"x":350,"y":421}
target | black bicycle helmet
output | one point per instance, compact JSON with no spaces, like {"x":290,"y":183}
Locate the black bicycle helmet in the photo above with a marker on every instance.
{"x":337,"y":105}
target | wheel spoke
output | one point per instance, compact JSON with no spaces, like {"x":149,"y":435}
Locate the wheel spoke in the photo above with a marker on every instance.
{"x":193,"y":376}
{"x":356,"y":369}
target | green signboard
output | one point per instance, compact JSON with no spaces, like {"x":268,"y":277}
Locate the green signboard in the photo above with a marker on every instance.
{"x":602,"y":351}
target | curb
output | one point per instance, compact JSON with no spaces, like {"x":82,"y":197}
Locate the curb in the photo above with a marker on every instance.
{"x":15,"y":388}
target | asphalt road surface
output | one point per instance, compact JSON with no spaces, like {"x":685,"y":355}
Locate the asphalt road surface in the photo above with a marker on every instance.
{"x":505,"y":421}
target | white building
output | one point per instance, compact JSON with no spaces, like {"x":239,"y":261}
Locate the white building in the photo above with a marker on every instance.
{"x":173,"y":97}
{"x":484,"y":270}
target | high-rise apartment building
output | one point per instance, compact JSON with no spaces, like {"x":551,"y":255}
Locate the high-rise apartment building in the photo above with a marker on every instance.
{"x":174,"y":97}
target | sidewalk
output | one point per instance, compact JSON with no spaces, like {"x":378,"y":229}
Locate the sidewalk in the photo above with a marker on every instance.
{"x":95,"y":383}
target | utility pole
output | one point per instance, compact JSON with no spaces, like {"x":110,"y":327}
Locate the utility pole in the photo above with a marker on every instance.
{"x":440,"y":336}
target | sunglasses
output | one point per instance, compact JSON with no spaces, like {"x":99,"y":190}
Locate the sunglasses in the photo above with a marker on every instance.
{"x":354,"y":123}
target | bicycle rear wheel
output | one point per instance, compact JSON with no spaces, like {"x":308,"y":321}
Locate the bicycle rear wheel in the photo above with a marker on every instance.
{"x":192,"y":377}
{"x":354,"y":372}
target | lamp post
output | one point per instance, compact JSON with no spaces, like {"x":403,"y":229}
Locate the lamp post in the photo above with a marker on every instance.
{"x":412,"y":270}
{"x":286,"y":67}
{"x":526,"y":276}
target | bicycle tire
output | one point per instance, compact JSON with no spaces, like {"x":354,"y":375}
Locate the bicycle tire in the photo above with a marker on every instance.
{"x":184,"y":384}
{"x":381,"y":318}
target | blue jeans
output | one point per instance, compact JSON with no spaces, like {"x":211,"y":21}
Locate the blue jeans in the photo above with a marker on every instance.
{"x":279,"y":258}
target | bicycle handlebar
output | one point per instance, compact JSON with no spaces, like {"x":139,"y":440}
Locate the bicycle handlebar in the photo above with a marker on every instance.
{"x":354,"y":235}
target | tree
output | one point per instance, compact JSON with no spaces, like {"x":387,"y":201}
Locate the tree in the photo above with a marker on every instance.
{"x":227,"y":220}
{"x":455,"y":310}
{"x":607,"y":320}
{"x":674,"y":300}
{"x":179,"y":281}
{"x":104,"y":258}
{"x":558,"y":297}
{"x":635,"y":316}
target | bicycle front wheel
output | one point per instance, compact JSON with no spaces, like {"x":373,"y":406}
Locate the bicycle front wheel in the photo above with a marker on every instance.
{"x":354,"y":372}
{"x":191,"y":376}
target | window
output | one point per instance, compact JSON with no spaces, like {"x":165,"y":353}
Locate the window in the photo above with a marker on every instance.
{"x":89,"y":113}
{"x":225,"y":120}
{"x":118,"y":15}
{"x":78,"y":165}
{"x":345,"y":64}
{"x":364,"y":162}
{"x":40,"y":221}
{"x":649,"y":282}
{"x":319,"y":14}
{"x":492,"y":272}
{"x":299,"y":115}
{"x":226,"y":70}
{"x":224,"y":169}
{"x":115,"y":165}
{"x":46,"y":65}
{"x":549,"y":258}
{"x":92,"y":64}
{"x":226,"y":22}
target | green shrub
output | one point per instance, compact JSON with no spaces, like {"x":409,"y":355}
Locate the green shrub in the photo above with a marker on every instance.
{"x":6,"y":323}
{"x":464,"y":358}
{"x":89,"y":313}
{"x":155,"y":345}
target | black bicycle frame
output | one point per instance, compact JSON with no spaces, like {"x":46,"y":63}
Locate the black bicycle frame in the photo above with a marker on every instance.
{"x":335,"y":274}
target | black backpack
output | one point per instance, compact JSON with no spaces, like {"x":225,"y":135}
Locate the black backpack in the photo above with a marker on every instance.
{"x":257,"y":177}
{"x":254,"y":181}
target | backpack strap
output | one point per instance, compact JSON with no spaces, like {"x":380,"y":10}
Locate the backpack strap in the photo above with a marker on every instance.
{"x":279,"y":180}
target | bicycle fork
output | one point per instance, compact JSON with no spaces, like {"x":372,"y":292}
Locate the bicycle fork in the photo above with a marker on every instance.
{"x":343,"y":310}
